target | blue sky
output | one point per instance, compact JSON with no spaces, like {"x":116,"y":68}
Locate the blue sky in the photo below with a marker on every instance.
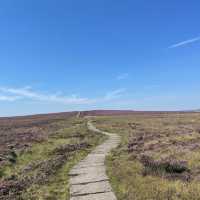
{"x":60,"y":55}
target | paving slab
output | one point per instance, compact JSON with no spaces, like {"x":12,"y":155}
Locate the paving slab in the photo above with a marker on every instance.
{"x":88,"y":178}
{"x":90,"y":188}
{"x":99,"y":196}
{"x":85,"y":170}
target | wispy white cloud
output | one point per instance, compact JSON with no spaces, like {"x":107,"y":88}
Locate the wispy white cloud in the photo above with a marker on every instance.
{"x":27,"y":93}
{"x":8,"y":98}
{"x":122,"y":76}
{"x":114,"y":94}
{"x":12,"y":94}
{"x":184,"y":43}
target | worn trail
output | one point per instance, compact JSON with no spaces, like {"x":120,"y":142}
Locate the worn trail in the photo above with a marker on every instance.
{"x":88,"y":179}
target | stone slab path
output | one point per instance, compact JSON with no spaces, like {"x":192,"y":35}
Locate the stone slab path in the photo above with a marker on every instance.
{"x":88,"y":179}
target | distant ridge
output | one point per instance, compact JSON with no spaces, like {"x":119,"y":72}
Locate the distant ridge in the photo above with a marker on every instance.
{"x":122,"y":112}
{"x":197,"y":110}
{"x":44,"y":115}
{"x":94,"y":113}
{"x":106,"y":112}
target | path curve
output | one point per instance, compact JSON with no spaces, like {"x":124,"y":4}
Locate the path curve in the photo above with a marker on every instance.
{"x":88,"y":179}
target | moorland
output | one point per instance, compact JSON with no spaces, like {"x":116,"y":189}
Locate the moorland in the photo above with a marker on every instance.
{"x":158,"y":157}
{"x":37,"y":152}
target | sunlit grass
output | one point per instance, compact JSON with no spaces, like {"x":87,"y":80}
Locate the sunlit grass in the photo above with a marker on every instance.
{"x":56,"y":186}
{"x":126,"y":171}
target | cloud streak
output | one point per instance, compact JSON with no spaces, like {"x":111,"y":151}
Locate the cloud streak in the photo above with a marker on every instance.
{"x":27,"y":93}
{"x":184,"y":43}
{"x":9,"y":98}
{"x":114,"y":94}
{"x":12,"y":94}
{"x":122,"y":76}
